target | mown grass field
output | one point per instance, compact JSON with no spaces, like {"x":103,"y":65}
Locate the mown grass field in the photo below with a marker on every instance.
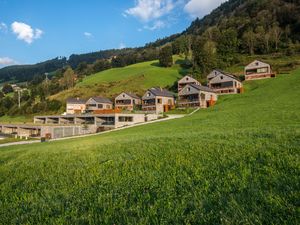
{"x":135,"y":78}
{"x":236,"y":163}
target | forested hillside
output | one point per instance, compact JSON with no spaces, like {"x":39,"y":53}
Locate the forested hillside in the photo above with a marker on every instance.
{"x":21,"y":73}
{"x":252,"y":26}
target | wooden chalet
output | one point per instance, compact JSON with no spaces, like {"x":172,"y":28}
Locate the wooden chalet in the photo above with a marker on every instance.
{"x":127,"y":101}
{"x":224,"y":83}
{"x":258,"y":70}
{"x":158,"y":100}
{"x":193,"y":95}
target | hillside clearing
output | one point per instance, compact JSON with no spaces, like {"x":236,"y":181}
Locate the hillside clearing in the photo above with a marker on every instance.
{"x":135,"y":78}
{"x":235,"y":163}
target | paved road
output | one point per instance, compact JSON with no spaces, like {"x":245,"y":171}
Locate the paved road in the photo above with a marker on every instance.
{"x":170,"y":117}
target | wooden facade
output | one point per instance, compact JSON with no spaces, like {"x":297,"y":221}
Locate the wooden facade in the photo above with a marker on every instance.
{"x":98,"y":104}
{"x":193,"y":95}
{"x":258,"y":70}
{"x":75,"y":106}
{"x":186,"y":80}
{"x":157,"y":100}
{"x":224,"y":83}
{"x":127,"y":101}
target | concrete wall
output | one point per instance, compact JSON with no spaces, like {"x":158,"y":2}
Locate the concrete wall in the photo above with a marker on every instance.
{"x":67,"y":131}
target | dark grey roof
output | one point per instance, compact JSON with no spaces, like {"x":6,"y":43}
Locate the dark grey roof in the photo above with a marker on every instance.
{"x":76,"y":101}
{"x":132,"y":95}
{"x":102,"y":100}
{"x":202,"y":88}
{"x":157,"y":91}
{"x":228,"y":74}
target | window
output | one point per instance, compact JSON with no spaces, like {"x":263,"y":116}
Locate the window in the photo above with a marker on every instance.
{"x":100,"y":106}
{"x":221,"y":77}
{"x":187,"y":78}
{"x":92,"y":105}
{"x":159,"y":100}
{"x":123,"y":96}
{"x":262,"y":70}
{"x":188,"y":89}
{"x":108,"y":106}
{"x":148,"y":94}
{"x":125,"y":119}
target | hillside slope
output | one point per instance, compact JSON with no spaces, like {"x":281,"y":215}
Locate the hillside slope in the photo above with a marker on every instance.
{"x":236,"y":163}
{"x":136,"y":78}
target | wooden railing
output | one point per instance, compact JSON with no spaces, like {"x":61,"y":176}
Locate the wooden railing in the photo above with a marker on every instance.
{"x":107,"y":111}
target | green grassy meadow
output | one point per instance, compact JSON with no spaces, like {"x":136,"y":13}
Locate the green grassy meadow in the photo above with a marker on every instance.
{"x":135,"y":78}
{"x":235,"y":163}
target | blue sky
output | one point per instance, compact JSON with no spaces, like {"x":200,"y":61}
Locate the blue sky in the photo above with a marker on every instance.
{"x":33,"y":30}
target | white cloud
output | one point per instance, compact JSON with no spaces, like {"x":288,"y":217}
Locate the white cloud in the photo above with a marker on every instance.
{"x":88,"y":34}
{"x":25,"y":32}
{"x":3,"y":27}
{"x":5,"y":61}
{"x":157,"y":25}
{"x":122,"y":45}
{"x":199,"y":8}
{"x":147,"y":10}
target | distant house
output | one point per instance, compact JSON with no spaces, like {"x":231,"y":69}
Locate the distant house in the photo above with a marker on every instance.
{"x":186,"y":80}
{"x":157,"y":100}
{"x":75,"y":106}
{"x":224,"y":83}
{"x":127,"y":101}
{"x":258,"y":70}
{"x":193,"y":95}
{"x":98,"y":104}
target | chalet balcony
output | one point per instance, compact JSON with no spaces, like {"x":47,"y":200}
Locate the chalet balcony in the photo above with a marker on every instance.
{"x":124,"y":102}
{"x":189,"y":103}
{"x":150,"y":102}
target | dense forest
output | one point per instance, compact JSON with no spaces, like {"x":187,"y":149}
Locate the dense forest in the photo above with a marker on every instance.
{"x":216,"y":41}
{"x":22,"y":73}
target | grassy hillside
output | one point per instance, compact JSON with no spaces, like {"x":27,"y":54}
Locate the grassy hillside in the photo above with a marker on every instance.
{"x":136,"y":78}
{"x":236,"y":163}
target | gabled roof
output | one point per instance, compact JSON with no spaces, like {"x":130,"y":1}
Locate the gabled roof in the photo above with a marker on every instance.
{"x":157,"y":91}
{"x":214,"y":73}
{"x":256,"y":64}
{"x":220,"y":72}
{"x":101,"y":100}
{"x":201,"y":88}
{"x":132,"y":95}
{"x":76,"y":101}
{"x":190,"y":79}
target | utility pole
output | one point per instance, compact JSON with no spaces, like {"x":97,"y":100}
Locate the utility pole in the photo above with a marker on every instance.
{"x":19,"y":98}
